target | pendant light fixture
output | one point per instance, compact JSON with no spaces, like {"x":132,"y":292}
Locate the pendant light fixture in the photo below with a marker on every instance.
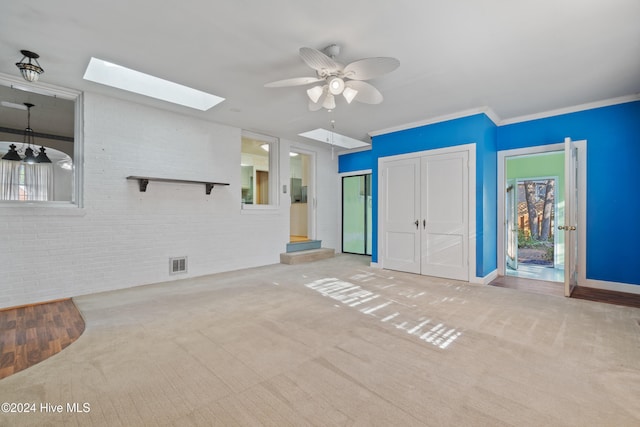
{"x":30,"y":71}
{"x":29,"y":139}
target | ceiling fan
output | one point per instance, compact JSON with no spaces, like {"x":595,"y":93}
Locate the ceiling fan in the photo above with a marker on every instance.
{"x":336,"y":79}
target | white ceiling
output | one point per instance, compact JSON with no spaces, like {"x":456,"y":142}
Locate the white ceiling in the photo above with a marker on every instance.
{"x":515,"y":57}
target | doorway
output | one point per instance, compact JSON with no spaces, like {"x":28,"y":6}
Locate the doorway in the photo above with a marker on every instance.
{"x":356,"y":214}
{"x":562,"y":166}
{"x":301,"y":190}
{"x":534,"y":201}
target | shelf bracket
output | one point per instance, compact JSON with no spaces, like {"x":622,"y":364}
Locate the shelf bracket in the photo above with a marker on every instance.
{"x":142,"y":182}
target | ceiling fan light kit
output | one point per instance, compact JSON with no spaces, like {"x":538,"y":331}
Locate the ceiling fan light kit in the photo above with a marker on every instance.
{"x":336,"y":79}
{"x":315,"y":93}
{"x":336,"y":85}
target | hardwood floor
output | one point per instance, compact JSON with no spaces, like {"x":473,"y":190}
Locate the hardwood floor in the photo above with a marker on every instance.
{"x":557,"y":288}
{"x":609,"y":297}
{"x":529,"y":285}
{"x":31,"y":334}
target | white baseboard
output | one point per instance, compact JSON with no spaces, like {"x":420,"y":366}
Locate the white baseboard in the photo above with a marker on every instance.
{"x":486,"y":279}
{"x":374,"y":265}
{"x":611,"y":286}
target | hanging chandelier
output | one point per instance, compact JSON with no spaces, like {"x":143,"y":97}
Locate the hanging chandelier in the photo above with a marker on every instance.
{"x":29,"y":155}
{"x":30,"y":71}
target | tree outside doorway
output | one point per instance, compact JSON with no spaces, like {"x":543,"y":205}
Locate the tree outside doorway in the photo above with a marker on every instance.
{"x":536,"y":219}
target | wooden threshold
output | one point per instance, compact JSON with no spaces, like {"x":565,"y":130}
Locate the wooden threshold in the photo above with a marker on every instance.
{"x":606,"y":296}
{"x":33,"y":333}
{"x":557,"y":289}
{"x":529,"y":285}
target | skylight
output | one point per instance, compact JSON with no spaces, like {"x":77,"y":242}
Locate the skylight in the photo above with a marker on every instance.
{"x":120,"y":77}
{"x":332,"y":138}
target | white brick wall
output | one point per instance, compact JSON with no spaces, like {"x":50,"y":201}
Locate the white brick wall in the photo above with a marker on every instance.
{"x":123,"y":237}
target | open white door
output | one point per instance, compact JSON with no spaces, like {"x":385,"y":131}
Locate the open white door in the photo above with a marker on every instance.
{"x":400,"y":184}
{"x":570,"y":216}
{"x":511,"y":223}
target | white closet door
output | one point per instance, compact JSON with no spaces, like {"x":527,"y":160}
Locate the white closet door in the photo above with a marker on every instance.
{"x":445,"y":215}
{"x":400,"y":184}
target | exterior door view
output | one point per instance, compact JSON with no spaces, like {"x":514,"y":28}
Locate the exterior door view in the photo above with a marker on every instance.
{"x":543,"y":213}
{"x":425,"y":214}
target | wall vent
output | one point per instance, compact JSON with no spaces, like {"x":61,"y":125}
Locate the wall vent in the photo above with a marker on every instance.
{"x":178,"y":265}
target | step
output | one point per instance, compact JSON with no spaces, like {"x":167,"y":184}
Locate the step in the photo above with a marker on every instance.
{"x":304,"y":246}
{"x":309,"y":255}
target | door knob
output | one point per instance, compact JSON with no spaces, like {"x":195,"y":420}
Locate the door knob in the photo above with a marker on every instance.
{"x":562,"y":227}
{"x":572,"y":228}
{"x":417,"y":223}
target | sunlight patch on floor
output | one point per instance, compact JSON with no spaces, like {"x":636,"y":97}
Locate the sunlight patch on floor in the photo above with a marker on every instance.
{"x":353,"y":295}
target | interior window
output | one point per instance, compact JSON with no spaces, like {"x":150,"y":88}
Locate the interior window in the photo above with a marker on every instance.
{"x":258,"y":168}
{"x":38,"y":145}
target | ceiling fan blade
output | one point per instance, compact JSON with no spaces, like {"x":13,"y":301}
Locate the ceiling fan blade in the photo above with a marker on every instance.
{"x":296,"y":81}
{"x":318,"y":60}
{"x":367,"y":94}
{"x":369,"y":68}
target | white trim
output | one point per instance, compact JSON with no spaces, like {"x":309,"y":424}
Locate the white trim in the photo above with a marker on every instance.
{"x":356,"y":173}
{"x":259,"y":209}
{"x":582,"y":206}
{"x":486,"y":279}
{"x":445,"y":118}
{"x":572,"y":109}
{"x":39,"y":87}
{"x":355,"y":150}
{"x":375,"y":265}
{"x":471,"y":149}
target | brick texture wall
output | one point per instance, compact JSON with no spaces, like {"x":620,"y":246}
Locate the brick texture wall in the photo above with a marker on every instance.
{"x":123,"y":237}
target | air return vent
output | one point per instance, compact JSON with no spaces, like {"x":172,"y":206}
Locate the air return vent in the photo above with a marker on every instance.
{"x":178,"y":265}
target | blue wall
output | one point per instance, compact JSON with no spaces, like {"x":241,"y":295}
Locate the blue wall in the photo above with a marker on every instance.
{"x":613,"y":173}
{"x":358,"y":161}
{"x":477,"y":129}
{"x":613,"y":177}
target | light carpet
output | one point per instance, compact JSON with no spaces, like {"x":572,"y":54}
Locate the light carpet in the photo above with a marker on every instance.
{"x":336,"y":343}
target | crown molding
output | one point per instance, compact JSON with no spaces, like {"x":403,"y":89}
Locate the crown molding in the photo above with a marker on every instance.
{"x":354,"y":150}
{"x":572,"y":109}
{"x":502,"y":122}
{"x":444,"y":118}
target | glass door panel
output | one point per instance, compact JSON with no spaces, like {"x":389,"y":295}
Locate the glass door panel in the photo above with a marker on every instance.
{"x":356,"y":214}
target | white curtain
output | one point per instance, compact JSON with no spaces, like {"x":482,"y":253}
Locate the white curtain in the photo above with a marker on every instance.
{"x":35,"y":184}
{"x":9,"y":180}
{"x":37,"y":181}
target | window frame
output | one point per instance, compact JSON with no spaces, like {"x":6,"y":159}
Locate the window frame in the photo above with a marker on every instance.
{"x":77,"y":192}
{"x":274,"y":170}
